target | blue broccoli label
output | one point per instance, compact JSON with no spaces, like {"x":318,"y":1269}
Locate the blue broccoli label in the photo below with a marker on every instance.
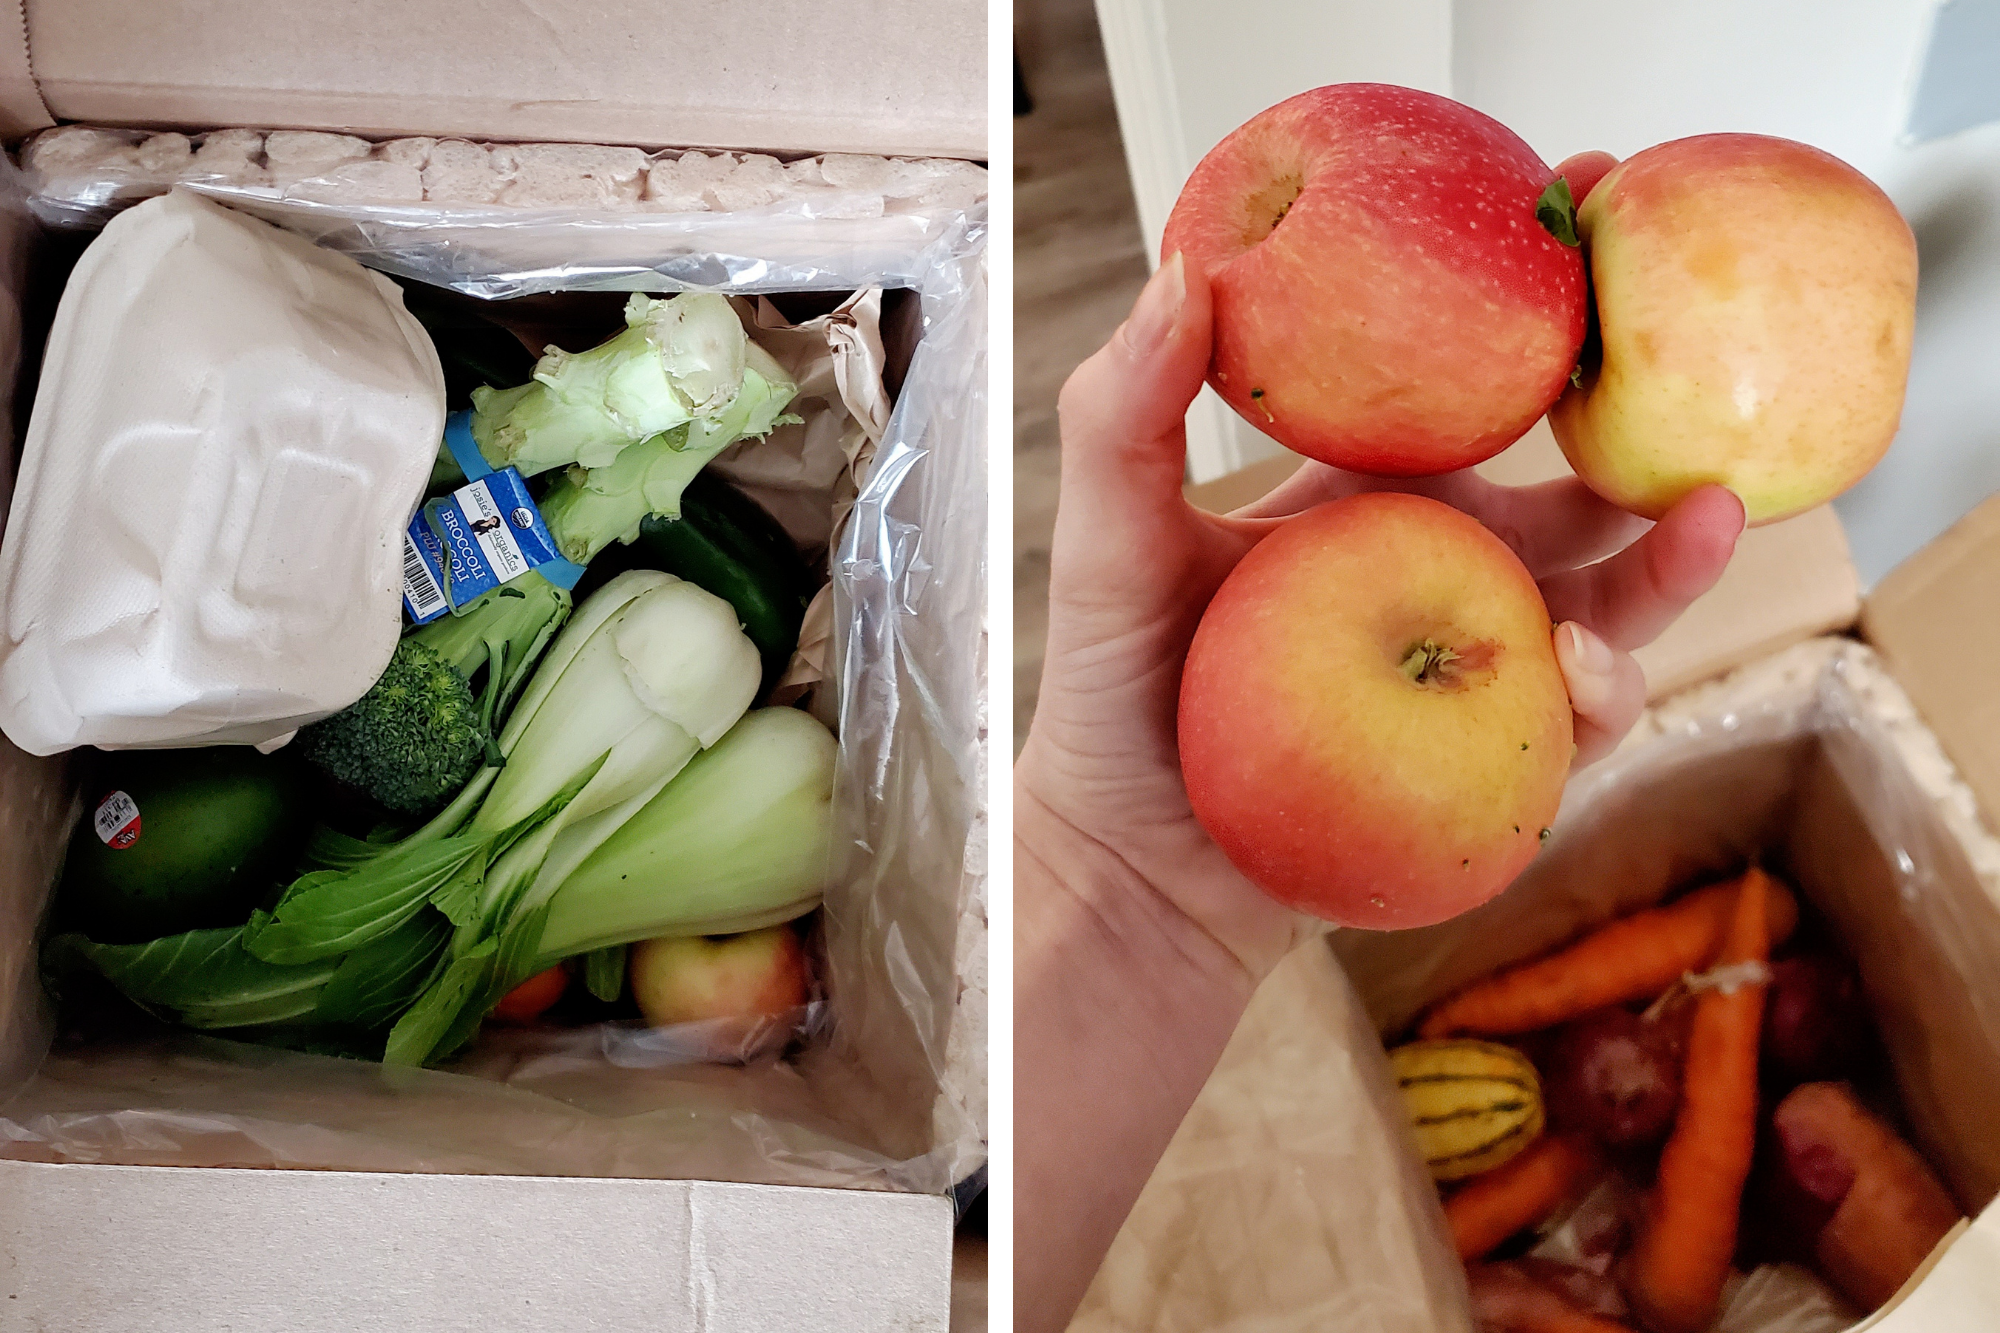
{"x":463,"y":545}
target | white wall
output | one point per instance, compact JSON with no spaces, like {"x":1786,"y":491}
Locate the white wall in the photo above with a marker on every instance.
{"x":1622,"y":74}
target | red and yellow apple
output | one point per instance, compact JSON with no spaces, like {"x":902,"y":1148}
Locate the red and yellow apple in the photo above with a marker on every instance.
{"x":1385,"y":298}
{"x":1754,"y":305}
{"x":745,"y":978}
{"x":1373,"y":725}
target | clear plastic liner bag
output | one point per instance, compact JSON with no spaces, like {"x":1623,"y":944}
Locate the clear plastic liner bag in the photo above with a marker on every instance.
{"x":1292,"y":1198}
{"x":880,"y":1083}
{"x":510,"y":219}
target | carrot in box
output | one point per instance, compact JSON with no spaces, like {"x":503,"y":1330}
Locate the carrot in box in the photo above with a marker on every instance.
{"x":1688,"y":1229}
{"x":1524,"y":1192}
{"x":1636,"y":957}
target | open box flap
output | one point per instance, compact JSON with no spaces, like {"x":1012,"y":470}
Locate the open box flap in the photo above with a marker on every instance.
{"x":906,"y":77}
{"x":1934,"y":621}
{"x":21,"y":107}
{"x":463,"y":1253}
{"x":1788,"y":581}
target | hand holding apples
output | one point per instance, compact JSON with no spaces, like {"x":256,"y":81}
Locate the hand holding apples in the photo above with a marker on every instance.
{"x":1138,"y":943}
{"x":1135,"y":566}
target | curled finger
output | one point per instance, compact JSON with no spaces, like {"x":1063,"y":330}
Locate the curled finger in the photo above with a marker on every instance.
{"x":1628,"y":599}
{"x":1607,"y":690}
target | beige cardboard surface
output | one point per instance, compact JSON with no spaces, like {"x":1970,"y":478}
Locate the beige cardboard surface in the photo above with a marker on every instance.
{"x":888,"y":76}
{"x":21,"y":107}
{"x":1288,"y":1198}
{"x":332,"y":1252}
{"x":1936,"y":620}
{"x":34,"y":798}
{"x":1813,"y":759}
{"x":1788,"y":581}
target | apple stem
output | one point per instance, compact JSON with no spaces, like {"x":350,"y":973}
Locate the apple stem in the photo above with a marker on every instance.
{"x":1428,"y":663}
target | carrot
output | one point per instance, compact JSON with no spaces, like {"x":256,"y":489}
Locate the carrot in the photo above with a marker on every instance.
{"x":1633,"y":958}
{"x":1520,"y":1193}
{"x":1687,"y":1231}
{"x":1507,"y":1300}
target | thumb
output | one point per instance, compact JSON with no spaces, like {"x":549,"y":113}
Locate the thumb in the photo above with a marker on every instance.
{"x":1124,"y":411}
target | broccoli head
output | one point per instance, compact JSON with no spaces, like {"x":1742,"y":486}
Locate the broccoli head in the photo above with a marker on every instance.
{"x":412,"y":740}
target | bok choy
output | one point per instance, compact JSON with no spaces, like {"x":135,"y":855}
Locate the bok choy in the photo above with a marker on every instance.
{"x":587,"y":826}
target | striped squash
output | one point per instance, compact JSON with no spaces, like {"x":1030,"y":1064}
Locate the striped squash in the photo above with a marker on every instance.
{"x":1473,"y":1104}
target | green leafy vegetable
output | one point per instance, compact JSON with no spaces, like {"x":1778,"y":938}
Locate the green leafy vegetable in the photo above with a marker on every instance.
{"x":204,"y":978}
{"x":677,"y":360}
{"x":589,"y":508}
{"x":739,"y":841}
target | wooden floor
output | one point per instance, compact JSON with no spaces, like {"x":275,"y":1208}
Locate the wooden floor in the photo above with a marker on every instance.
{"x":1078,"y":265}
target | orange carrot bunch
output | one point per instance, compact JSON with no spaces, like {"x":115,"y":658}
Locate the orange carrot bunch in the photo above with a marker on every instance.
{"x":1706,"y":955}
{"x":1636,"y":957}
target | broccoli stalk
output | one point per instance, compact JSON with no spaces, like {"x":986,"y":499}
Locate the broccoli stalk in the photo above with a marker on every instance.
{"x":503,"y":634}
{"x":589,"y":508}
{"x":678,"y":360}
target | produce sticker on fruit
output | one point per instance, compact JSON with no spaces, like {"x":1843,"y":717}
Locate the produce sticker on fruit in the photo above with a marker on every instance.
{"x":117,"y":821}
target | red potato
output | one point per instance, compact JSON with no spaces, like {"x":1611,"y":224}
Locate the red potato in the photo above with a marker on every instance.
{"x":1843,"y":1176}
{"x":1614,"y":1076}
{"x":1816,"y":1023}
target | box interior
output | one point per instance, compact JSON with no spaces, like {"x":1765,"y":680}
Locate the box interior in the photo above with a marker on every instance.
{"x":867,"y":1107}
{"x":1820,"y":795}
{"x":1813,"y":761}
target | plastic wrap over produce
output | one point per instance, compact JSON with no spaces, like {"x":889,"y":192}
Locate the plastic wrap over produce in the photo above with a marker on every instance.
{"x":879,"y":1081}
{"x":1292,"y":1198}
{"x":514,"y":219}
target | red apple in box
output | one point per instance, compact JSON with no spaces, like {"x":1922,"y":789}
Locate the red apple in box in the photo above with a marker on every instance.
{"x":738,"y":982}
{"x":1755,"y":301}
{"x":1385,"y":298}
{"x":1372,"y":722}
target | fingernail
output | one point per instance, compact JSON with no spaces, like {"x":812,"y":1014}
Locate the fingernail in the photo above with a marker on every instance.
{"x":1589,"y":652}
{"x":1159,"y":307}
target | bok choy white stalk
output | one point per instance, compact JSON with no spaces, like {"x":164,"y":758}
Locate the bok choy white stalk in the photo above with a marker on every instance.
{"x":738,"y":841}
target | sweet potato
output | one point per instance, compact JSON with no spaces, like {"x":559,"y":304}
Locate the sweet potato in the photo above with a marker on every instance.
{"x":1878,"y":1207}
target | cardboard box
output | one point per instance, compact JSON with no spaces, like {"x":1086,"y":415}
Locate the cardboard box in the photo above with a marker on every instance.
{"x":1291,"y":1198}
{"x":907,"y":77}
{"x":437,"y":1208}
